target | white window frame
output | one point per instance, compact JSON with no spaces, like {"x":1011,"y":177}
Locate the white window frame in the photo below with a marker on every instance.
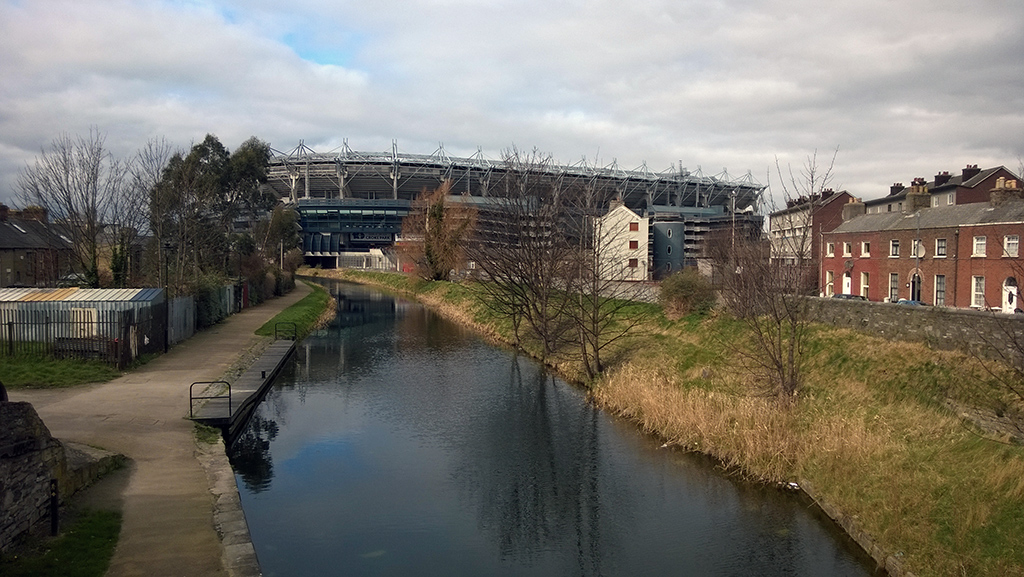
{"x":830,"y":249}
{"x":951,"y":199}
{"x":847,"y":249}
{"x":894,"y":287}
{"x":978,"y":247}
{"x":977,"y":291}
{"x":865,"y":249}
{"x":939,"y":302}
{"x":894,"y":248}
{"x":940,"y":253}
{"x":830,"y":283}
{"x":1011,"y":246}
{"x":864,"y":279}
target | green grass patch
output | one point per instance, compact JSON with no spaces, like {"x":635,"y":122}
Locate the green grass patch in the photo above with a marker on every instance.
{"x":83,"y":550}
{"x":205,"y":434}
{"x":27,"y":371}
{"x":304,"y":313}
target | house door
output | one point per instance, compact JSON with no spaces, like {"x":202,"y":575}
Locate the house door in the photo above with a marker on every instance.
{"x":915,"y":287}
{"x":1010,"y":295}
{"x":847,"y":283}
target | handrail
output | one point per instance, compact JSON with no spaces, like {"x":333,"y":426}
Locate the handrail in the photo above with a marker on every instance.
{"x":279,"y":329}
{"x":192,"y":398}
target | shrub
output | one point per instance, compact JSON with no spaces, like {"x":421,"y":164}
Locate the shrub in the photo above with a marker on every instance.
{"x":686,"y":292}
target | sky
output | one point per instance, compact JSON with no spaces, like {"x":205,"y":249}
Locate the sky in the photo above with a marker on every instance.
{"x":893,"y":89}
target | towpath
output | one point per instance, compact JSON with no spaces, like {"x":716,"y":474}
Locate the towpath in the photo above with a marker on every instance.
{"x":164,"y":495}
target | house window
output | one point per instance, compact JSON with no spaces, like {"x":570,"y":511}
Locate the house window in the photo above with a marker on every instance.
{"x":894,"y":248}
{"x":830,"y":249}
{"x":634,"y":226}
{"x":978,"y":298}
{"x":894,"y":287}
{"x":940,"y":248}
{"x":633,"y":245}
{"x":889,"y":208}
{"x":935,"y":201}
{"x":847,"y":249}
{"x":940,"y":290}
{"x":830,"y":279}
{"x":865,"y":249}
{"x":633,"y":263}
{"x":864,"y":284}
{"x":950,"y":198}
{"x":979,"y":246}
{"x":1011,"y":245}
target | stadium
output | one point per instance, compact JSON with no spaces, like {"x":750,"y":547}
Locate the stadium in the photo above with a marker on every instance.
{"x":351,"y":204}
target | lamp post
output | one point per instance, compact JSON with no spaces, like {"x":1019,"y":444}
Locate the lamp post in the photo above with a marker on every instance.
{"x":916,"y":286}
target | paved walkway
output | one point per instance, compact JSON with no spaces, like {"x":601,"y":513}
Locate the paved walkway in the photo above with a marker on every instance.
{"x":165,"y":495}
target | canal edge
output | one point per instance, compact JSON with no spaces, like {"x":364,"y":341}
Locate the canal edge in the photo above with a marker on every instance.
{"x":892,"y":564}
{"x":238,"y":554}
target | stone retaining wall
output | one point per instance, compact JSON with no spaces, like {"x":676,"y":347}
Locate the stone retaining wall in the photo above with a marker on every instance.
{"x":29,"y":458}
{"x":987,"y":333}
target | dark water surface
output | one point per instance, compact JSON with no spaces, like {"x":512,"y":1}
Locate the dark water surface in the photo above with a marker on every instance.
{"x":397,"y":443}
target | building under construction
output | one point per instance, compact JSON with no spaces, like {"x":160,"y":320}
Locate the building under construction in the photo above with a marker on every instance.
{"x":351,"y":204}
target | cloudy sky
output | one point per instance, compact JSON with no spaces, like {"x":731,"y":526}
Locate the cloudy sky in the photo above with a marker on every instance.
{"x":903,"y":88}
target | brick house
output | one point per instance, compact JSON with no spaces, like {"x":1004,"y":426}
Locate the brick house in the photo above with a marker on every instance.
{"x":33,"y":252}
{"x":957,"y":255}
{"x":970,"y":186}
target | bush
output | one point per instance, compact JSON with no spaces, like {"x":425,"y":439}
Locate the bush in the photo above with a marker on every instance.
{"x":686,"y":292}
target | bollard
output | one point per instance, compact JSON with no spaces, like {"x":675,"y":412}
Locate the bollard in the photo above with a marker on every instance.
{"x":54,"y":508}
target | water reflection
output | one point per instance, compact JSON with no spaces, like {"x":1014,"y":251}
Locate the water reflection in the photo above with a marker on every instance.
{"x":397,"y":443}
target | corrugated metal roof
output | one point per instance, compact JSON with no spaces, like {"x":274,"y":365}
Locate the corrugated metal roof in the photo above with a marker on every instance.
{"x":80,"y":294}
{"x":149,"y":294}
{"x":37,"y":295}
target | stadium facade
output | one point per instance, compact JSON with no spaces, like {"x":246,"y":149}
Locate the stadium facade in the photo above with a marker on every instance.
{"x":351,"y":204}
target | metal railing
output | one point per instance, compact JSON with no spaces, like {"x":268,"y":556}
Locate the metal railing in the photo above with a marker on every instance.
{"x":192,"y":398}
{"x":286,"y":330}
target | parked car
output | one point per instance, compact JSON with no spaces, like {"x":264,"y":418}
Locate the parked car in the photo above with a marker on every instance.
{"x":848,"y":296}
{"x":910,"y":303}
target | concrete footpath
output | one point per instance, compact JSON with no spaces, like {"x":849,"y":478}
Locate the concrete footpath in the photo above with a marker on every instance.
{"x":164,"y":494}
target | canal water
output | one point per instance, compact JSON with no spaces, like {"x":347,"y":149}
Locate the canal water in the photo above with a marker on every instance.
{"x":397,"y":443}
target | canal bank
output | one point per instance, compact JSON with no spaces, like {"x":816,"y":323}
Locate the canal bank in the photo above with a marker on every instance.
{"x":870,"y":434}
{"x":165,"y":495}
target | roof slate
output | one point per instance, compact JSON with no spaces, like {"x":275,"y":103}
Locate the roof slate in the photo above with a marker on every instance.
{"x":937,"y":217}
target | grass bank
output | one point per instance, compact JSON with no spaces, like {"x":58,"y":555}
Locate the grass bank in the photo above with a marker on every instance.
{"x":871,"y":431}
{"x":29,"y":371}
{"x":312,"y":311}
{"x":84,"y":549}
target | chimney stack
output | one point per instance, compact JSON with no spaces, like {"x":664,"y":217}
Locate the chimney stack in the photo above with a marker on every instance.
{"x":853,"y":209}
{"x":4,"y":211}
{"x":970,"y":171}
{"x":896,"y":188}
{"x":942,"y":178}
{"x":1005,"y":189}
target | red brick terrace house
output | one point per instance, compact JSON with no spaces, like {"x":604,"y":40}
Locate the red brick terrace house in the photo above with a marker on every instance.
{"x":964,"y":255}
{"x":971,"y":185}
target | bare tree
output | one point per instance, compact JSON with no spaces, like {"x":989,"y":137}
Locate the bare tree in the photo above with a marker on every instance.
{"x":78,"y":182}
{"x":603,"y":281}
{"x":522,"y":250}
{"x":764,"y":282}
